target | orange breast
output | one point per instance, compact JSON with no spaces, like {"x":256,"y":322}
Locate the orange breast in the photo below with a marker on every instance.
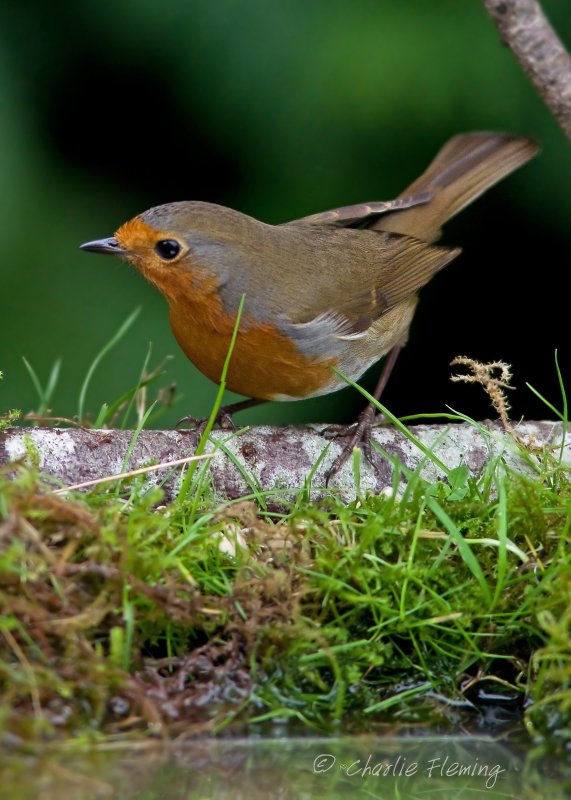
{"x":265,"y":364}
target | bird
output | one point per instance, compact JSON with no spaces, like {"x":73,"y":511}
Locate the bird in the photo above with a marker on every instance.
{"x":324,"y":296}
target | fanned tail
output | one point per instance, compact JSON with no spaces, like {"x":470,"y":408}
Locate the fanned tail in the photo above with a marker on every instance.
{"x":464,"y":168}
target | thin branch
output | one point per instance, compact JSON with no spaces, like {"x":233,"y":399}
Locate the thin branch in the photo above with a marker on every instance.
{"x":275,"y":461}
{"x":528,"y":33}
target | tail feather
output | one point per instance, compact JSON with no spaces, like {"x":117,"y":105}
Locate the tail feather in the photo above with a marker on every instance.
{"x":464,"y":168}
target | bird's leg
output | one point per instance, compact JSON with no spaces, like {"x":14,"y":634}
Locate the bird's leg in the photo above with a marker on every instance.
{"x":223,"y":417}
{"x":359,"y":432}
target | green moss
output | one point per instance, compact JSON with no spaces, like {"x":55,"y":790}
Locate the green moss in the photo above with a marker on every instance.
{"x":122,"y":615}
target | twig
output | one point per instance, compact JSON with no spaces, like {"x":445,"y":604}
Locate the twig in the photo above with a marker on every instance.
{"x":528,"y":33}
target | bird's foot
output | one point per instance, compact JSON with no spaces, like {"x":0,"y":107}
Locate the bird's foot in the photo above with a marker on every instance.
{"x":357,"y":434}
{"x":223,"y":420}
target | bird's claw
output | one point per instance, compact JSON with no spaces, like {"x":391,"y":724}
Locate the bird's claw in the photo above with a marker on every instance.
{"x":223,"y":420}
{"x":189,"y":421}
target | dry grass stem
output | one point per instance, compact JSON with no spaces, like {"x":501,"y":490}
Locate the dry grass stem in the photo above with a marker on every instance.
{"x":493,"y":385}
{"x":141,"y":471}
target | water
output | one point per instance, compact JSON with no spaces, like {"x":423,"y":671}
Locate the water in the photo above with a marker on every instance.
{"x":300,"y":768}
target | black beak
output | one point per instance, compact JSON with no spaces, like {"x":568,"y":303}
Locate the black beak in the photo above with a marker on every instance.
{"x":110,"y":245}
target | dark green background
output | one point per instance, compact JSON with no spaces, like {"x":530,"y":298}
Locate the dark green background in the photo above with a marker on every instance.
{"x":279,"y":109}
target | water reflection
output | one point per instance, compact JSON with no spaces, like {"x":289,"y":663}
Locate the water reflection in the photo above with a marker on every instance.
{"x":298,"y":768}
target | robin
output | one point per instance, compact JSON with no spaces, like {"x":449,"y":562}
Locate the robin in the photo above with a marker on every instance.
{"x":336,"y":289}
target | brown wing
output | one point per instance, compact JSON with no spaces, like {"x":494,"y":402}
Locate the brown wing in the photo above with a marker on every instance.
{"x":347,"y":303}
{"x":406,"y":266}
{"x":357,"y":275}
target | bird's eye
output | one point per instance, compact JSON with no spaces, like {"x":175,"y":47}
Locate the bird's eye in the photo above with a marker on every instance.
{"x":167,"y":249}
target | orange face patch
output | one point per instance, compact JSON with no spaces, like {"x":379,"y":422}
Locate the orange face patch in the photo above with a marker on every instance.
{"x":170,"y":277}
{"x":136,"y":236}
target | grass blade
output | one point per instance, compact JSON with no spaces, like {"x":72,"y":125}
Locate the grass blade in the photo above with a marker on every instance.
{"x":464,"y":549}
{"x":217,"y":403}
{"x":44,"y":395}
{"x":115,"y":339}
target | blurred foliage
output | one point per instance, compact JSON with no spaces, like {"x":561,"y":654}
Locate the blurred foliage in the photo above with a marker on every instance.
{"x":278,"y":109}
